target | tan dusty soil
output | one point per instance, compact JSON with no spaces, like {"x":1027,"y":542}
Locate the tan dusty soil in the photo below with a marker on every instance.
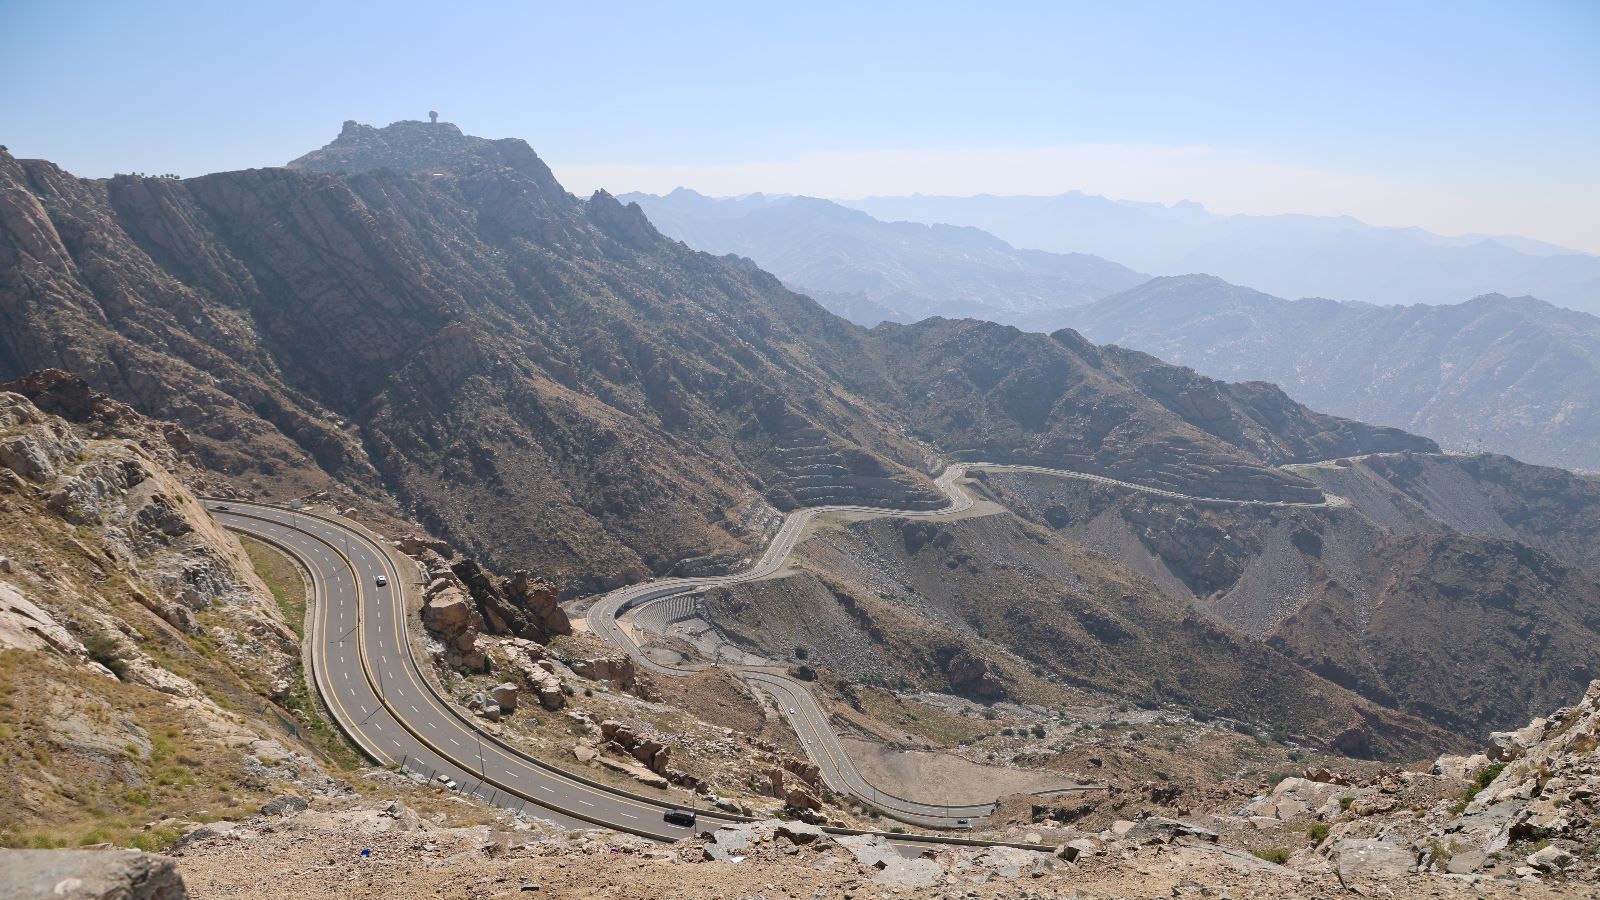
{"x":317,"y":854}
{"x":914,"y":774}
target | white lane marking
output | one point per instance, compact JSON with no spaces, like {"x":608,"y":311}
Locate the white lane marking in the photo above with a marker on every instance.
{"x":415,"y":710}
{"x":433,"y":726}
{"x":456,"y":742}
{"x":585,"y":803}
{"x":627,"y":815}
{"x":547,"y":789}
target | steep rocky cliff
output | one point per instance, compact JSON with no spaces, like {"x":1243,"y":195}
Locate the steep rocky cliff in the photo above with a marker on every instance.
{"x":139,"y":651}
{"x":428,"y":326}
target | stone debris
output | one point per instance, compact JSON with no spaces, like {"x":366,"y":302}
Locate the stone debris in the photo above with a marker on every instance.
{"x":1293,"y":799}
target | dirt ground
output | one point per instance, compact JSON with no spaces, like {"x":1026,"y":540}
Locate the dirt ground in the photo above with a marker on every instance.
{"x":369,"y":852}
{"x":913,"y":774}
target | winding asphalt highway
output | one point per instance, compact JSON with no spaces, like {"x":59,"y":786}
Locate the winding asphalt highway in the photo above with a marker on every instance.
{"x":794,"y":699}
{"x":363,"y":667}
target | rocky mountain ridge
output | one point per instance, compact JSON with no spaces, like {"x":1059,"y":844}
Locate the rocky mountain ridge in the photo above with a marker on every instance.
{"x":1287,"y":255}
{"x":443,"y":335}
{"x":1509,"y":374}
{"x":870,"y":271}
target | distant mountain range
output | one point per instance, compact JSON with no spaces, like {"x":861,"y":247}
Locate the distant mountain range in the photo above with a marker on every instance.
{"x":1516,"y":375}
{"x":871,"y":271}
{"x":1287,"y":255}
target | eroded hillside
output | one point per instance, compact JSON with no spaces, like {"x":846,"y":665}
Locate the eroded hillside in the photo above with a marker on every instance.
{"x":1461,"y":589}
{"x":146,"y":672}
{"x":427,"y":325}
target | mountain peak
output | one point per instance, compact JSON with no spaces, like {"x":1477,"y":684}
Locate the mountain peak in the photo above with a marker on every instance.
{"x":399,"y":145}
{"x":427,"y":148}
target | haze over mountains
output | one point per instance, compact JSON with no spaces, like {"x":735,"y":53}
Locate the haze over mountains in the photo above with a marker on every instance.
{"x":427,"y":325}
{"x":1288,"y":255}
{"x":870,"y":271}
{"x":548,"y":381}
{"x":1517,"y":376}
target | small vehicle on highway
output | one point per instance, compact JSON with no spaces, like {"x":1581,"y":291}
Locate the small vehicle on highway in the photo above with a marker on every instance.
{"x":964,"y":823}
{"x":381,"y":580}
{"x":221,"y":507}
{"x":681,"y":817}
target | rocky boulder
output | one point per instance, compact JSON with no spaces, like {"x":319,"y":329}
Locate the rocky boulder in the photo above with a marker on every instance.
{"x":973,"y":676}
{"x":1158,"y":830}
{"x":1300,"y":798}
{"x":520,"y":605}
{"x":618,"y":671}
{"x":484,"y":706}
{"x":653,"y":753}
{"x":452,"y":617}
{"x":284,"y":805}
{"x":89,"y":875}
{"x":505,"y":694}
{"x":1360,"y":859}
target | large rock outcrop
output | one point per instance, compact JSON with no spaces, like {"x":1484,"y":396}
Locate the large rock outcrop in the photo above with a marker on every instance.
{"x":1545,"y":791}
{"x":519,"y":605}
{"x":89,"y":875}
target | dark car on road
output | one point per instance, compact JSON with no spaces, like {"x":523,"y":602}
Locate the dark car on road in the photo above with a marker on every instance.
{"x":679,"y":817}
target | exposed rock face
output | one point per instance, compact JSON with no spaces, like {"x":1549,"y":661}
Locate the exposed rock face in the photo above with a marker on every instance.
{"x":1059,"y":400}
{"x":1547,"y":790}
{"x":1430,"y":592}
{"x":135,"y":630}
{"x":89,"y":875}
{"x":547,"y":382}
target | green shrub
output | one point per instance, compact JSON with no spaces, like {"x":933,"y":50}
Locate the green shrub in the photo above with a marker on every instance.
{"x":1484,"y":779}
{"x":1317,"y":833}
{"x":105,"y":650}
{"x":1275,"y":855}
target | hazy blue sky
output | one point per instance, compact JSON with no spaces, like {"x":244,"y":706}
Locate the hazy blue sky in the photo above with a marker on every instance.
{"x":1456,"y":116}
